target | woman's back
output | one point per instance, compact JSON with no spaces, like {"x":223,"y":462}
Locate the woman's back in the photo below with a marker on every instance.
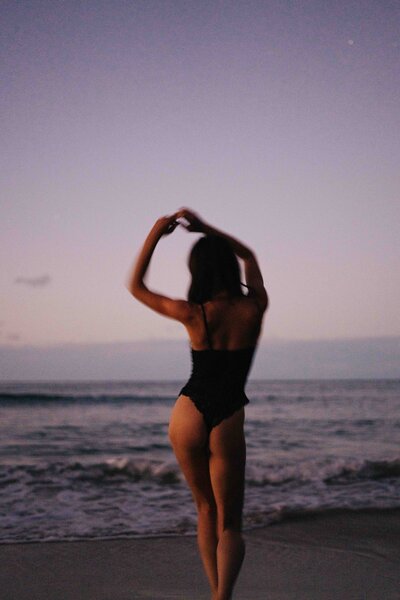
{"x":223,"y":334}
{"x":225,"y":324}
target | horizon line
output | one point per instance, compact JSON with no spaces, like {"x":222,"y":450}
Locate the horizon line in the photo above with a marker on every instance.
{"x":16,"y":345}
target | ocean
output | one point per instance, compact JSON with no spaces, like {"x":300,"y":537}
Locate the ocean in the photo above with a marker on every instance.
{"x":92,"y":460}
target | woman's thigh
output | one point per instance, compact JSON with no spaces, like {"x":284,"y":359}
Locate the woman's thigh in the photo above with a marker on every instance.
{"x":189,"y":439}
{"x":227,"y":469}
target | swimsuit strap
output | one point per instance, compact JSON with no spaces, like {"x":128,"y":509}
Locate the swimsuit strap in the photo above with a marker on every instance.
{"x":206,"y":326}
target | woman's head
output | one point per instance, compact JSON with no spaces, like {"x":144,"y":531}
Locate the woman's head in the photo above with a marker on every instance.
{"x":214,"y":268}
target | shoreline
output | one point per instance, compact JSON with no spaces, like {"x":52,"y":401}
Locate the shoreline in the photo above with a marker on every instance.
{"x":339,"y":554}
{"x":300,"y":515}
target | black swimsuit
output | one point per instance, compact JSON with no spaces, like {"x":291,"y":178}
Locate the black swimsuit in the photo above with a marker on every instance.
{"x":216,"y":384}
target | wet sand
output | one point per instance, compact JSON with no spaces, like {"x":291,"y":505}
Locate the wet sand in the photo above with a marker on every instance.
{"x":335,"y":556}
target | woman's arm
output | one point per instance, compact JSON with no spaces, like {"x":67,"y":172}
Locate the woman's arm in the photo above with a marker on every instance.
{"x":252,"y":271}
{"x":176,"y":309}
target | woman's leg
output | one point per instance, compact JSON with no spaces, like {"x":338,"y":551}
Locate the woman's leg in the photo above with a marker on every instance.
{"x":189,"y":439}
{"x":227,"y":470}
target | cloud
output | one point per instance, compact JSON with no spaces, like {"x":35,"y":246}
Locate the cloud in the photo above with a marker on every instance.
{"x":34,"y":281}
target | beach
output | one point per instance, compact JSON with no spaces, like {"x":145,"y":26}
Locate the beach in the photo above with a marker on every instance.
{"x":344,"y":555}
{"x":94,"y":507}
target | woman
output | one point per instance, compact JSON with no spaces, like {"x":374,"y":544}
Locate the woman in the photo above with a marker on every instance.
{"x":206,"y":426}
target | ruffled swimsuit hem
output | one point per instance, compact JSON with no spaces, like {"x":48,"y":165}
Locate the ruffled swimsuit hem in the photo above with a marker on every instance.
{"x":211,"y":415}
{"x":217,"y":419}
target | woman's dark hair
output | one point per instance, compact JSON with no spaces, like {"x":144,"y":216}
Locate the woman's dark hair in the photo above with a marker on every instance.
{"x":214,"y":268}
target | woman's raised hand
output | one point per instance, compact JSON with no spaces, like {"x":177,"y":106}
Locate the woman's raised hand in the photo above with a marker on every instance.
{"x":194,"y":221}
{"x":184,"y":217}
{"x":166,"y":225}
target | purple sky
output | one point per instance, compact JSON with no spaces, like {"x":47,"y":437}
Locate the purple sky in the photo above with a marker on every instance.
{"x":278,"y":121}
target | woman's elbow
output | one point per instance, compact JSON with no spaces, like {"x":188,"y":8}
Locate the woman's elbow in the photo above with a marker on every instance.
{"x":248,"y":255}
{"x":135,"y":289}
